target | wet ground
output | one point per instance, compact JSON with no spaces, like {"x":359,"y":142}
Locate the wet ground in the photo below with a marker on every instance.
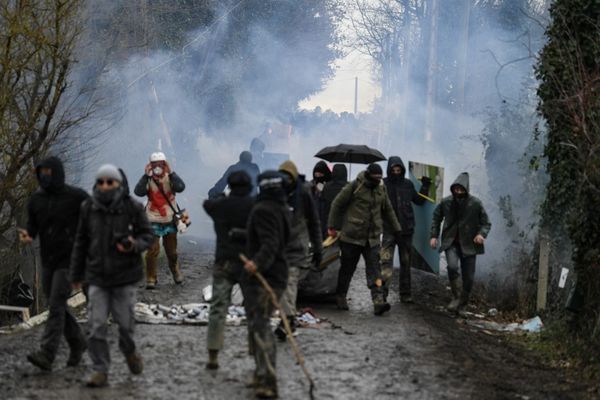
{"x":413,"y":352}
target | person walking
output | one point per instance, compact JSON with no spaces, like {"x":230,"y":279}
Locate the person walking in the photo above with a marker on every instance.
{"x":268,"y":233}
{"x":339,"y":179}
{"x":113,"y":232}
{"x":245,"y":164}
{"x":402,"y":195}
{"x":53,"y":214}
{"x":230,"y":216}
{"x":159,"y":183}
{"x":466,"y":227}
{"x":305,"y":239}
{"x":359,"y":211}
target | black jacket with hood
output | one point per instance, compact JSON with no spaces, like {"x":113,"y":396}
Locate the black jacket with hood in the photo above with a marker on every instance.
{"x":53,"y":214}
{"x":339,"y":179}
{"x":402,"y":194}
{"x":316,"y":190}
{"x":268,"y":235}
{"x":245,"y":164}
{"x":95,"y":257}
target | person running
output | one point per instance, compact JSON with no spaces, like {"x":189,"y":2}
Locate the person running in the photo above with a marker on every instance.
{"x":359,"y":211}
{"x":113,"y":232}
{"x":159,"y":183}
{"x":53,"y":214}
{"x":466,"y":227}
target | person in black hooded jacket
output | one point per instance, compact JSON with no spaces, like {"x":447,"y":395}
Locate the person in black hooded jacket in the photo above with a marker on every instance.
{"x":321,"y":175}
{"x":53,"y":213}
{"x":113,"y":233}
{"x":402,"y":195}
{"x":230,"y":215}
{"x":339,"y":179}
{"x":268,"y":233}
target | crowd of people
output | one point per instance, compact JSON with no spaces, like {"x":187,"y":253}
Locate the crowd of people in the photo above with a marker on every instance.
{"x":270,"y":224}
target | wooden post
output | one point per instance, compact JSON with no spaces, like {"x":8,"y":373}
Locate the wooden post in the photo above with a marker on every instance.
{"x":542,"y":291}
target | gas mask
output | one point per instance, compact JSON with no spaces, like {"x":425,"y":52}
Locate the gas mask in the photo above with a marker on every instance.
{"x":157,"y":171}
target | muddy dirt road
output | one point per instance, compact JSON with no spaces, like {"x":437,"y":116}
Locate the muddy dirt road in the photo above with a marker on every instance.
{"x":413,"y":352}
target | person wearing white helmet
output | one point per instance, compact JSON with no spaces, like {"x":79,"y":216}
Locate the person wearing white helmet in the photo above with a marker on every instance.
{"x":159,"y":183}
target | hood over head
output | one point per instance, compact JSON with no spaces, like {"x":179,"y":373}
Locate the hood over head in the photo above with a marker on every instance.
{"x":462,"y":180}
{"x":240,"y":183}
{"x":339,"y":173}
{"x":322,"y":167}
{"x":395,"y":161}
{"x":246,"y":157}
{"x":290,"y":168}
{"x":57,"y":182}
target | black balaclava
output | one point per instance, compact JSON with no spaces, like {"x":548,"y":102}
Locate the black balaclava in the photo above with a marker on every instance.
{"x":55,"y":182}
{"x":459,"y":198}
{"x":240,"y":183}
{"x":270,"y":184}
{"x":396,"y":178}
{"x":322,"y":167}
{"x":373,"y":169}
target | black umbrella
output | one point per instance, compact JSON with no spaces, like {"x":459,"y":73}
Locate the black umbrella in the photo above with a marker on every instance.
{"x":350,"y":153}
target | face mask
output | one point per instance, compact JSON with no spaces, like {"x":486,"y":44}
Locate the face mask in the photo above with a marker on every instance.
{"x":106,"y":197}
{"x":157,"y":171}
{"x":372,"y":182}
{"x":45,"y":181}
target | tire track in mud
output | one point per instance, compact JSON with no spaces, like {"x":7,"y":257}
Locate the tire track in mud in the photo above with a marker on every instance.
{"x":413,"y":352}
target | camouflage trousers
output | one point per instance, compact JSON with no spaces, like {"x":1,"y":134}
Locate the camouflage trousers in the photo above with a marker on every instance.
{"x":388,"y":246}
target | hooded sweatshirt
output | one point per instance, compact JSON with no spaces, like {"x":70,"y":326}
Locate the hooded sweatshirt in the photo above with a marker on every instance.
{"x":244,"y":164}
{"x":53,"y":214}
{"x":463,"y":220}
{"x":402,"y":194}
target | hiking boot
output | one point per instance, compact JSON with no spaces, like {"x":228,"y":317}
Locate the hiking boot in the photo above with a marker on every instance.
{"x":97,"y":380}
{"x":76,"y":354}
{"x":464,"y":299}
{"x":150,"y":285}
{"x":41,"y":360}
{"x":213,"y":360}
{"x":380,"y":308}
{"x":342,"y":303}
{"x":265,"y":392}
{"x":135,"y":363}
{"x":455,"y":302}
{"x":177,"y":275}
{"x":406,"y":298}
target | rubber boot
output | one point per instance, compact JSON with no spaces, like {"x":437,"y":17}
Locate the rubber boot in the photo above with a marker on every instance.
{"x":455,"y":302}
{"x":213,"y":359}
{"x":40,"y":359}
{"x":135,"y":363}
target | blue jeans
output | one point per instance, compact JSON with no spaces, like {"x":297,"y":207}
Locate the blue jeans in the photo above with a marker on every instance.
{"x":454,"y":256}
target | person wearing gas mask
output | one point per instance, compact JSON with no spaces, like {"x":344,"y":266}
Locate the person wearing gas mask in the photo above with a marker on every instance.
{"x":321,"y":175}
{"x":305,"y":238}
{"x":230,"y":215}
{"x":112,"y":234}
{"x":466,"y":226}
{"x":159,"y":183}
{"x":53,"y":214}
{"x":359,"y":212}
{"x":402,"y":196}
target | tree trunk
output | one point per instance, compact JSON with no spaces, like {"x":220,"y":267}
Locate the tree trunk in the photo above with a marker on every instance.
{"x":463,"y":57}
{"x":431,"y":72}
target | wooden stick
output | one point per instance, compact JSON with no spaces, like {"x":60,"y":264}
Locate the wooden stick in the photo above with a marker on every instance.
{"x":286,"y":325}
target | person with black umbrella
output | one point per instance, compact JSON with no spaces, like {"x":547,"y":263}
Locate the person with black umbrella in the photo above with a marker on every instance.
{"x":359,"y":211}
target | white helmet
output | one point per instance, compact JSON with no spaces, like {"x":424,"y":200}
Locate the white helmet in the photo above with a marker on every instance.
{"x":158,"y":156}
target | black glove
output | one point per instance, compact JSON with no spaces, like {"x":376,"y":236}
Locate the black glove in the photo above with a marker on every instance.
{"x":317,"y":258}
{"x":425,"y":180}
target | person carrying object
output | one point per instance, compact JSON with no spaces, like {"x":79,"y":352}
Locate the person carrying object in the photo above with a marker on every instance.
{"x":268,"y":233}
{"x":402,"y":195}
{"x":305,"y":247}
{"x":113,"y":232}
{"x":359,"y":211}
{"x":466,"y":227}
{"x":230,"y":216}
{"x":160,"y":184}
{"x":53,"y":214}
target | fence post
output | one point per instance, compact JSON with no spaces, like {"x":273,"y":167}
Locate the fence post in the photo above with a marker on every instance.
{"x":542,"y":290}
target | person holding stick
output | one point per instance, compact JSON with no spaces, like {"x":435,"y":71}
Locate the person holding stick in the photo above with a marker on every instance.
{"x":268,"y":233}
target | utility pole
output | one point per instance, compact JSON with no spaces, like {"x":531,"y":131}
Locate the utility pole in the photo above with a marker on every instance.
{"x":355,"y":97}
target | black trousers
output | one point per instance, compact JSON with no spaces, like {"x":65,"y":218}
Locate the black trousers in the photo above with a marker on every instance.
{"x":405,"y":250}
{"x":349,"y":260}
{"x":56,"y":287}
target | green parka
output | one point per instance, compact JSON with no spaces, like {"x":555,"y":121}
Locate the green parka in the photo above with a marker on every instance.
{"x":359,"y":211}
{"x":461,"y":221}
